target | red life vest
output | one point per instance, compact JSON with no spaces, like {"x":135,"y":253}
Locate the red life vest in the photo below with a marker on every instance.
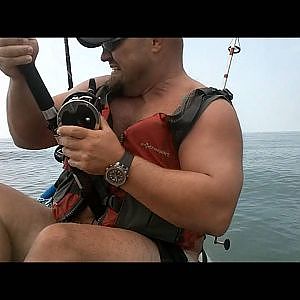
{"x":156,"y":139}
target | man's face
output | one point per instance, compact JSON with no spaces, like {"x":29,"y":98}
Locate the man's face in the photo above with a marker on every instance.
{"x":112,"y":44}
{"x":129,"y":62}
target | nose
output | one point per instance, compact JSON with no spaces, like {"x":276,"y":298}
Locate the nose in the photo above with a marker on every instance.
{"x":106,"y":55}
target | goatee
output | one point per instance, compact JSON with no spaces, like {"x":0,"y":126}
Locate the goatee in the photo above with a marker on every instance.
{"x":116,"y":87}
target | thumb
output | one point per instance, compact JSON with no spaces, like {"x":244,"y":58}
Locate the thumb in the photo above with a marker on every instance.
{"x":104,"y":124}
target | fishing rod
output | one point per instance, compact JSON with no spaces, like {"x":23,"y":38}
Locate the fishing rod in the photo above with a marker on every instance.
{"x":41,"y":94}
{"x":234,"y":48}
{"x":68,"y":63}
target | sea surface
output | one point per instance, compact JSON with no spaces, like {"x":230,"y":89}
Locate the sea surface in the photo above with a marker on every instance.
{"x":266,"y":223}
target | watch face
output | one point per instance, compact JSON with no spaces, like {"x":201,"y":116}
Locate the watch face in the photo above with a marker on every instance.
{"x":115,"y":176}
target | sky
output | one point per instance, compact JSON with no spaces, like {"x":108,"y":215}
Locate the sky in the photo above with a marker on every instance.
{"x":264,"y":77}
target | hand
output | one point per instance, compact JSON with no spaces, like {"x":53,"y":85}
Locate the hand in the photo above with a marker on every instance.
{"x":91,"y":151}
{"x":16,"y":51}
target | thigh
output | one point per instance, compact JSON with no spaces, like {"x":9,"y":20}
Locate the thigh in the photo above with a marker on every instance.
{"x":23,"y":218}
{"x":106,"y":244}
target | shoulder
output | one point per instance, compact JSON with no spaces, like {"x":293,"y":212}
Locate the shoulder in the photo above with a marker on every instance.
{"x":218,"y":122}
{"x":214,"y":116}
{"x":215,"y":143}
{"x":193,"y":105}
{"x":217,"y":112}
{"x":203,"y":99}
{"x":218,"y":115}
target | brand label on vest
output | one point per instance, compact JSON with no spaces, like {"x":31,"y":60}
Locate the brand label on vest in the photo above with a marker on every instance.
{"x":148,"y":146}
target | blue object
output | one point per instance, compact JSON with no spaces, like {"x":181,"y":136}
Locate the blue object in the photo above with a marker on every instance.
{"x":49,"y":192}
{"x":46,"y":197}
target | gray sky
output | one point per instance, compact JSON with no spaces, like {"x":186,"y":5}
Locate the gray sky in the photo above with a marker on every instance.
{"x":264,"y":77}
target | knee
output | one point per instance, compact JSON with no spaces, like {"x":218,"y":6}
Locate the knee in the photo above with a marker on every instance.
{"x":51,"y":244}
{"x":7,"y":195}
{"x":4,"y":190}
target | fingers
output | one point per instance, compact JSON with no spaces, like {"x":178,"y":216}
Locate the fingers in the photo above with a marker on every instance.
{"x":68,"y":142}
{"x":72,"y":154}
{"x":74,"y":164}
{"x":75,"y":158}
{"x":16,"y":51}
{"x":13,"y":41}
{"x":70,"y":137}
{"x":71,"y":148}
{"x":16,"y":55}
{"x":73,"y":131}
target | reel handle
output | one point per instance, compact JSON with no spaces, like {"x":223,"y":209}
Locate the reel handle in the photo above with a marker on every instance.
{"x":226,"y":243}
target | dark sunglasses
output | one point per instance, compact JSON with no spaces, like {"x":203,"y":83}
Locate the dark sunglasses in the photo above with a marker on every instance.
{"x":112,"y":44}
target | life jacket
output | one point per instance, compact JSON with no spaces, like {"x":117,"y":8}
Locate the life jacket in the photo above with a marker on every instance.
{"x":156,"y":139}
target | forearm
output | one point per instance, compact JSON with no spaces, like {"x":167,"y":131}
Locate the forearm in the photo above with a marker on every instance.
{"x":187,"y":199}
{"x":27,"y":125}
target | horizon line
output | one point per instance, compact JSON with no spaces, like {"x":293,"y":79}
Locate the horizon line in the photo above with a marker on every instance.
{"x":243,"y":132}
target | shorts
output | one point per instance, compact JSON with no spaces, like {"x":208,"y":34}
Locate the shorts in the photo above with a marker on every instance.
{"x":173,"y":253}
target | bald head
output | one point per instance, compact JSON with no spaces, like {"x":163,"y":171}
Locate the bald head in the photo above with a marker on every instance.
{"x":170,"y":49}
{"x":174,"y":48}
{"x":164,"y":54}
{"x":175,"y":44}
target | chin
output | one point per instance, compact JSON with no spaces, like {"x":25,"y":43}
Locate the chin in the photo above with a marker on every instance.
{"x":115,"y":85}
{"x":119,"y":88}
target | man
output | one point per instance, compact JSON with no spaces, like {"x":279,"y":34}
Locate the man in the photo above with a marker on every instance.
{"x":191,"y":190}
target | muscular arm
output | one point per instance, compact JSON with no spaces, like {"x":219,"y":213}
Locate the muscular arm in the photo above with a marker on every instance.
{"x":26,"y":124}
{"x":203,"y":195}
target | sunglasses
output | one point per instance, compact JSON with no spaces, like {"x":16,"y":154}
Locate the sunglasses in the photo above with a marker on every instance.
{"x":112,"y":44}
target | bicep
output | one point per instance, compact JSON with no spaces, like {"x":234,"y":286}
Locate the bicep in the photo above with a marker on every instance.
{"x":214,"y":146}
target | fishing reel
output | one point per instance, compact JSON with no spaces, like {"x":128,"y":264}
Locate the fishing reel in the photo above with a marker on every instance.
{"x":79,"y":109}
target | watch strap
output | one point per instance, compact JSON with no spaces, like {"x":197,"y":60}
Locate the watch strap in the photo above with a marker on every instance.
{"x":126,"y":160}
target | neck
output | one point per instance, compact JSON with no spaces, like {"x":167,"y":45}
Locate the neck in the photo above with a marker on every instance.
{"x":174,"y":83}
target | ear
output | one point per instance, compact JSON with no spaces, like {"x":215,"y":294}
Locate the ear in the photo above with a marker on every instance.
{"x":156,"y":44}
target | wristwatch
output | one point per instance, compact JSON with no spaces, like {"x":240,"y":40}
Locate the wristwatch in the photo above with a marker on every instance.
{"x":117,"y":173}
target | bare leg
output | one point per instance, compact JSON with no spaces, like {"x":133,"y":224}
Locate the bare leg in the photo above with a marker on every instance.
{"x":84,"y":242}
{"x":28,"y":230}
{"x":21,"y":219}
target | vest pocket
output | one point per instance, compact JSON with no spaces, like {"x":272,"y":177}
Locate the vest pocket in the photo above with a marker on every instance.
{"x":67,"y":200}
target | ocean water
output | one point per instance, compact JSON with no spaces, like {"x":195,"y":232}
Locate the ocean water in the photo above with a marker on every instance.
{"x":266,"y":223}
